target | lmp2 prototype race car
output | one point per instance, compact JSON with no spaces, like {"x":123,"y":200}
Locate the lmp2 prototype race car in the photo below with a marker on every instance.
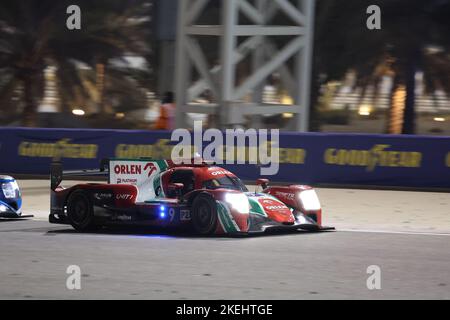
{"x":206,"y":198}
{"x":10,"y":199}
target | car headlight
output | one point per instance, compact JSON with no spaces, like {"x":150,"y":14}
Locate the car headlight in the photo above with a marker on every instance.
{"x":310,"y":200}
{"x":10,"y":189}
{"x":3,"y":208}
{"x":238,"y":202}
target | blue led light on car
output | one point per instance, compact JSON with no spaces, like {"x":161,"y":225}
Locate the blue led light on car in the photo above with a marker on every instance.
{"x":162,"y":212}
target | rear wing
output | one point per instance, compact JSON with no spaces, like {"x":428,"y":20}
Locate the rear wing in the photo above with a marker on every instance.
{"x":57,"y":173}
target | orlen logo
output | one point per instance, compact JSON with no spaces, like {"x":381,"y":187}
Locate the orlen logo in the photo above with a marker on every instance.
{"x":272,"y":205}
{"x":151,"y":168}
{"x":220,"y":173}
{"x":128,"y":169}
{"x":135,"y":169}
{"x":275,"y":207}
{"x":277,"y":210}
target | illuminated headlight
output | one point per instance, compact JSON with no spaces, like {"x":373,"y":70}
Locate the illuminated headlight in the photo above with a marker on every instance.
{"x":3,"y":208}
{"x":10,"y":189}
{"x":310,"y":200}
{"x":238,"y":202}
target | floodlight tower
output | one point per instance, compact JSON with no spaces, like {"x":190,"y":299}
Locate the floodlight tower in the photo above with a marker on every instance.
{"x":256,"y":40}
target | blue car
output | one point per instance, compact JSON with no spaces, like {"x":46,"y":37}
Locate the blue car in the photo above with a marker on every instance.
{"x":10,"y":198}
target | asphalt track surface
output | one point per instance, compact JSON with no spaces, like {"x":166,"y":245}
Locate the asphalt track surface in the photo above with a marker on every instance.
{"x":406,"y":234}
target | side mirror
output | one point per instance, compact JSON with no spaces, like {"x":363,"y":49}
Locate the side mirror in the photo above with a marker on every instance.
{"x":264,"y":183}
{"x":56,"y":175}
{"x":176,"y":188}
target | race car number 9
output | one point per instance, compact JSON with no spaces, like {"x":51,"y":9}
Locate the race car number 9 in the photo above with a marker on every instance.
{"x":172,"y":214}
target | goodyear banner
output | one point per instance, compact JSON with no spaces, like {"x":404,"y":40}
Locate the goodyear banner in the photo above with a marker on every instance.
{"x":376,"y":160}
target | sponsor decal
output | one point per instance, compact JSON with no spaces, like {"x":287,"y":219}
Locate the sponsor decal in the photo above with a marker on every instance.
{"x":150,"y":168}
{"x":57,"y":150}
{"x":135,"y":169}
{"x":220,"y":173}
{"x":128,"y":169}
{"x":124,"y":197}
{"x":123,"y":218}
{"x":378,"y":156}
{"x":145,"y":175}
{"x":271,"y":205}
{"x":127,"y":181}
{"x":286,"y":195}
{"x":276,"y":207}
{"x":162,"y":149}
{"x":103,"y":196}
{"x":256,"y":195}
{"x":159,"y":150}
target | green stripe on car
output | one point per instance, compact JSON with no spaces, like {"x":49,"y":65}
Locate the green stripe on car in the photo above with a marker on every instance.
{"x":225,"y":218}
{"x":256,"y":207}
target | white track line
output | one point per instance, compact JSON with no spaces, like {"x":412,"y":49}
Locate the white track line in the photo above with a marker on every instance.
{"x":411,"y":233}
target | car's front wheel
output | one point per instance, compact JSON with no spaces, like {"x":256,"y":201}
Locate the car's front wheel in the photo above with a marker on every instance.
{"x":204,"y":215}
{"x":80,"y":211}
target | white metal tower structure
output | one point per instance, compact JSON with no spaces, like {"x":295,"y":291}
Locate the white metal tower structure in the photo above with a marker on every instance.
{"x":254,"y":41}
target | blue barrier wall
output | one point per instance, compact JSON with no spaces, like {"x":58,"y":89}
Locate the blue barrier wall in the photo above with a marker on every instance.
{"x":404,"y":161}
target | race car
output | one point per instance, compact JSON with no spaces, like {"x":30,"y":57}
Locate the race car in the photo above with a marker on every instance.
{"x":199,"y":195}
{"x":10,"y":199}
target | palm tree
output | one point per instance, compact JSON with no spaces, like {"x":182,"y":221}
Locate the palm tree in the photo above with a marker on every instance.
{"x":414,"y":37}
{"x":33,"y":36}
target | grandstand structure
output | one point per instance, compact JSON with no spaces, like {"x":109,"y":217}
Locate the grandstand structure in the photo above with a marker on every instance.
{"x":247,"y":32}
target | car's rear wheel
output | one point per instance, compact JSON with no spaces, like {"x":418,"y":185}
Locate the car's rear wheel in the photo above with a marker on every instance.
{"x":80,"y":211}
{"x":204,"y":215}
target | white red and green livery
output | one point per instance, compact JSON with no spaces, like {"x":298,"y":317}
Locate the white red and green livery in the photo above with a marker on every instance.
{"x":206,"y":198}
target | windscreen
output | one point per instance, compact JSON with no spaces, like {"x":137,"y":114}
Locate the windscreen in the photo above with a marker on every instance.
{"x":226,"y":182}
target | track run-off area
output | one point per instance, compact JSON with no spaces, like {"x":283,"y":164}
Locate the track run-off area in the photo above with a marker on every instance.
{"x":405,"y":234}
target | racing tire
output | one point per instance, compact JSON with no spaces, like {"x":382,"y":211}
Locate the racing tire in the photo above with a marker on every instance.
{"x":204,"y":215}
{"x":80,"y":212}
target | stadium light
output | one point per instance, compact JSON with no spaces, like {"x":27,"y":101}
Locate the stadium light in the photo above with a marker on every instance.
{"x":78,"y":112}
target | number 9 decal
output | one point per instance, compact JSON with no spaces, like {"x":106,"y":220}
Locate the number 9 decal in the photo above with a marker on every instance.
{"x":172,"y":214}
